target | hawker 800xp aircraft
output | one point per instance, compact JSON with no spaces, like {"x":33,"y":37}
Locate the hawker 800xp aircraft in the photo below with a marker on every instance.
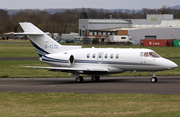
{"x":95,"y":62}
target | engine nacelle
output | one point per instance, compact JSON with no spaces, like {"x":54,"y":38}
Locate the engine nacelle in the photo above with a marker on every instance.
{"x":58,"y":59}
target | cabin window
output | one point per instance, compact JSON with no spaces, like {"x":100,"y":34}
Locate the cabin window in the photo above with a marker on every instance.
{"x":106,"y":56}
{"x":100,"y":56}
{"x":111,"y":56}
{"x":153,"y":54}
{"x":117,"y":56}
{"x":88,"y":55}
{"x":94,"y":55}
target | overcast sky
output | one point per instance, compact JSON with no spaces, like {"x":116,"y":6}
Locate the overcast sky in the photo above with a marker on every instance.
{"x":105,"y":4}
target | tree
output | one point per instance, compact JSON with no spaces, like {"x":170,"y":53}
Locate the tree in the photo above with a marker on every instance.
{"x":84,"y":15}
{"x":4,"y":21}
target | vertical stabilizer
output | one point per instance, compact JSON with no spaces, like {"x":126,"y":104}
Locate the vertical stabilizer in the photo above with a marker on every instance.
{"x":43,"y":43}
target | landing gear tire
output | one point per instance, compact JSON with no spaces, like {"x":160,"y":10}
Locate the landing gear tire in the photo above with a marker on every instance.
{"x":79,"y":79}
{"x":95,"y":78}
{"x":154,"y":79}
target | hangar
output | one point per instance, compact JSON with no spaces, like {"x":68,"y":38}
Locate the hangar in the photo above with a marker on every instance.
{"x":155,"y":26}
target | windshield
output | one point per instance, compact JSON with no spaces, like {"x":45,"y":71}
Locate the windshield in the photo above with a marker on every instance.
{"x":153,"y":54}
{"x":149,"y":54}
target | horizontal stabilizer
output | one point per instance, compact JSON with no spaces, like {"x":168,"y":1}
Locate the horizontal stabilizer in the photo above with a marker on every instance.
{"x":28,"y":33}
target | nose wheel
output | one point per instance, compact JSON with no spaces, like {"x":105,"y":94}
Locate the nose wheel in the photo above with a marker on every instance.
{"x":154,"y":79}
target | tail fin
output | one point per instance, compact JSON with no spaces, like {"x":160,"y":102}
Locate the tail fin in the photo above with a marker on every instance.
{"x":43,"y":43}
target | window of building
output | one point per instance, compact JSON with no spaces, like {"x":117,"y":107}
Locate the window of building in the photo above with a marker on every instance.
{"x":94,"y":55}
{"x":123,"y":37}
{"x":99,"y":33}
{"x":90,"y":33}
{"x":104,"y":33}
{"x":95,"y":33}
{"x":111,"y":56}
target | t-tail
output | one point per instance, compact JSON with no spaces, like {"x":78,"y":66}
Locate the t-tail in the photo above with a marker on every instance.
{"x":43,"y":43}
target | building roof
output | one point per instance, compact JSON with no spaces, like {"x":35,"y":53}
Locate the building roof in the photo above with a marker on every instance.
{"x":108,"y":21}
{"x":171,"y":23}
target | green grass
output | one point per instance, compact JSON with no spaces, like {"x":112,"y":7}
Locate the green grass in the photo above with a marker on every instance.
{"x":80,"y":105}
{"x":17,"y":41}
{"x":17,"y":50}
{"x":16,"y":69}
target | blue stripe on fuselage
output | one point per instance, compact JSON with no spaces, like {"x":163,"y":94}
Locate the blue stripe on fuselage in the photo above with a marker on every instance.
{"x":39,"y":50}
{"x":45,"y":58}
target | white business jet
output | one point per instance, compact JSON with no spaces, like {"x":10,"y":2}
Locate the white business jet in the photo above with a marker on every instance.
{"x":95,"y":62}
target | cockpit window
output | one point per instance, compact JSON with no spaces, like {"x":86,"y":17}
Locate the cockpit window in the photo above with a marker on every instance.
{"x":141,"y":54}
{"x":149,"y":54}
{"x":146,"y":54}
{"x":153,"y":54}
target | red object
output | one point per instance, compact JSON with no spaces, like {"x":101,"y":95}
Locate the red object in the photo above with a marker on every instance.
{"x":157,"y":42}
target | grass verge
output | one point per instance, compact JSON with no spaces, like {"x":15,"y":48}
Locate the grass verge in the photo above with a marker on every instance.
{"x":17,"y":50}
{"x":70,"y":104}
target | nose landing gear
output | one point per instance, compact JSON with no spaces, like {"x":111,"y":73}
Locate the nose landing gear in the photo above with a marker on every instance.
{"x":154,"y":79}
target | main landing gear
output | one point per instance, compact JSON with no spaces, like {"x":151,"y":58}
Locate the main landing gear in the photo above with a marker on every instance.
{"x":154,"y":79}
{"x":95,"y":78}
{"x":80,"y":79}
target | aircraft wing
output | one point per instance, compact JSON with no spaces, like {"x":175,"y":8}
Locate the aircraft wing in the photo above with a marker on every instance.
{"x":65,"y":69}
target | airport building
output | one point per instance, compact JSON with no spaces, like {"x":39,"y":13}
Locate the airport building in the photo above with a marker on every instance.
{"x":161,"y":26}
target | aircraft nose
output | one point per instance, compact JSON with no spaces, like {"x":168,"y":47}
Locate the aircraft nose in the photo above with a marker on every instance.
{"x":171,"y":65}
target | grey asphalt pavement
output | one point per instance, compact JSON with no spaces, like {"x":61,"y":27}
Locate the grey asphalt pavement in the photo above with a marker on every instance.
{"x":120,"y":85}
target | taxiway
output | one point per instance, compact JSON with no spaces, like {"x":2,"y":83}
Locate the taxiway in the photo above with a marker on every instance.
{"x":138,"y":84}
